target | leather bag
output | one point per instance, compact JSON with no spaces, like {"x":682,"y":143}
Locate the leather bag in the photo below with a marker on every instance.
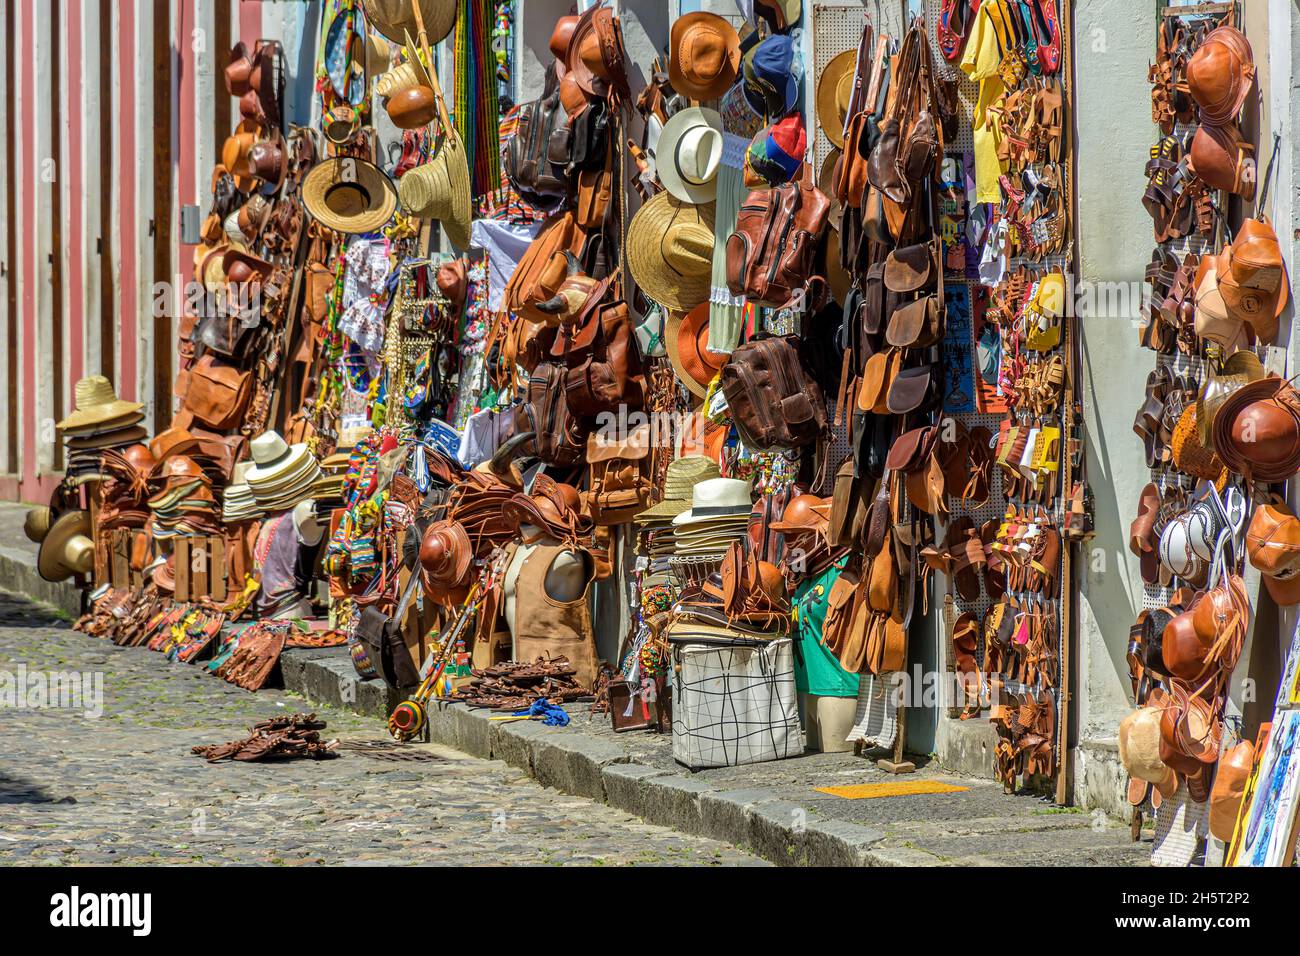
{"x":218,"y":393}
{"x":779,"y":231}
{"x":775,"y":402}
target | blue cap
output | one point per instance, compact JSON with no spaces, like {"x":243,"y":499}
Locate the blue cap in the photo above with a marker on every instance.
{"x":772,"y":76}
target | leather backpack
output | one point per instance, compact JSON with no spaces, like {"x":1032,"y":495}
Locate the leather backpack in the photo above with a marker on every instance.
{"x":620,"y":482}
{"x":543,"y":268}
{"x":602,"y":366}
{"x":560,"y":438}
{"x":529,"y":163}
{"x":771,"y":254}
{"x":775,"y":403}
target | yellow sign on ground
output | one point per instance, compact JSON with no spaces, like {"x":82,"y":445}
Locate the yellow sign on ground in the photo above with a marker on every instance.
{"x":901,"y":788}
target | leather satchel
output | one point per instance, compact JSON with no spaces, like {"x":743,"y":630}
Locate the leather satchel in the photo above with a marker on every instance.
{"x":772,"y":253}
{"x":218,"y":393}
{"x":528,"y":160}
{"x":620,"y":485}
{"x":382,"y":637}
{"x":603,"y":367}
{"x":775,"y":403}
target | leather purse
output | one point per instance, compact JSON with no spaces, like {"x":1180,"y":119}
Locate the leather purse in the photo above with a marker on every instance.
{"x":382,"y":637}
{"x":218,"y":393}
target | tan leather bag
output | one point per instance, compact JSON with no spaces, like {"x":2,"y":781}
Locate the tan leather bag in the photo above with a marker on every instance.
{"x":218,"y":393}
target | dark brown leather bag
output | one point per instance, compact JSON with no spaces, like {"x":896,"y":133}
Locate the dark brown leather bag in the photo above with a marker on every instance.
{"x":218,"y":393}
{"x":561,"y":439}
{"x":528,"y":164}
{"x":771,"y":254}
{"x":775,"y":403}
{"x":603,"y":367}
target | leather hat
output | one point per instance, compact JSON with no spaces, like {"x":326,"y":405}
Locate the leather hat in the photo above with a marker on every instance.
{"x":551,"y":506}
{"x":804,"y":514}
{"x":703,"y":55}
{"x":1229,"y":788}
{"x":268,"y":160}
{"x":251,"y":218}
{"x":687,"y":340}
{"x":834,"y":90}
{"x":1273,"y":546}
{"x":596,"y":56}
{"x":241,"y":267}
{"x":1257,"y":430}
{"x":562,"y":36}
{"x":445,"y":555}
{"x":1223,"y":160}
{"x":452,"y":281}
{"x":1220,"y":74}
{"x":1253,"y":280}
{"x":572,"y":97}
{"x":1139,"y":750}
{"x":239,"y":69}
{"x":1213,"y":319}
{"x":1238,"y":369}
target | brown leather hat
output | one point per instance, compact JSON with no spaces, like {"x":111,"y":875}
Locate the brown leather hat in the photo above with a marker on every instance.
{"x":452,"y":281}
{"x":240,"y":267}
{"x":1253,"y":279}
{"x":562,"y":36}
{"x":1222,"y":158}
{"x":239,"y":68}
{"x":1273,"y":545}
{"x":552,"y":506}
{"x":445,"y":555}
{"x":804,"y":514}
{"x":1257,"y":430}
{"x":596,"y":56}
{"x":704,"y":55}
{"x":1220,"y":75}
{"x":269,"y":160}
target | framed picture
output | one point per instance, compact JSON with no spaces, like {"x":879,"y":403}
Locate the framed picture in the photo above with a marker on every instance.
{"x":1266,"y":832}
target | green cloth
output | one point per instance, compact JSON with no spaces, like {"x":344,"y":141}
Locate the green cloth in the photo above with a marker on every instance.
{"x":816,"y":670}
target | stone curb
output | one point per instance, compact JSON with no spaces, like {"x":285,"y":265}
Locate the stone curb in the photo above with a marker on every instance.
{"x":22,"y":578}
{"x":757,"y":819}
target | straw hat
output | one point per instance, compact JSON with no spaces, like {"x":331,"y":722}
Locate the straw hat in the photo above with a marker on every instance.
{"x":834,"y":88}
{"x":97,"y":403}
{"x":687,"y":340}
{"x":37,"y":523}
{"x":395,"y":18}
{"x":689,"y":153}
{"x":349,"y":195}
{"x":67,"y":549}
{"x":704,"y":55}
{"x":670,"y":251}
{"x":683,"y":475}
{"x":439,"y":190}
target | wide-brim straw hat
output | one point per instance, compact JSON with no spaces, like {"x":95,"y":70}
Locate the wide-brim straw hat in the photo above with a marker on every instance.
{"x":440,"y":190}
{"x":683,"y":474}
{"x":717,"y":501}
{"x":834,"y":88}
{"x":686,"y":338}
{"x":97,"y":403}
{"x":395,"y":18}
{"x":670,"y":251}
{"x":349,"y":195}
{"x":67,"y":548}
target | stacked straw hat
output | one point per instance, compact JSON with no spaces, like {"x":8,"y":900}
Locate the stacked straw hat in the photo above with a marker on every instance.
{"x":282,"y":475}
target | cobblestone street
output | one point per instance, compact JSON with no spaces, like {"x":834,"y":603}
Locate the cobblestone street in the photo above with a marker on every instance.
{"x":123,"y":788}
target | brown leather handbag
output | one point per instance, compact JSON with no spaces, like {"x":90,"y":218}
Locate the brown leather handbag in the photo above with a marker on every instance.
{"x":779,"y":231}
{"x":775,"y":402}
{"x":603,"y":366}
{"x":620,"y":485}
{"x":218,"y":393}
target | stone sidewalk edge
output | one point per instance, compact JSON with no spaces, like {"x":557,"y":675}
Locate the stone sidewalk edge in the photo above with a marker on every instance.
{"x":758,"y":820}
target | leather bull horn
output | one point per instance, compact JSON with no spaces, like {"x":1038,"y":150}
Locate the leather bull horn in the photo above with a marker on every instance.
{"x":559,"y":304}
